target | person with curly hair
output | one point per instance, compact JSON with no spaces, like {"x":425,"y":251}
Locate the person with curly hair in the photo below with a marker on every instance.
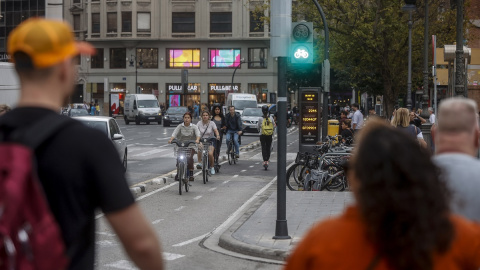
{"x":401,"y":218}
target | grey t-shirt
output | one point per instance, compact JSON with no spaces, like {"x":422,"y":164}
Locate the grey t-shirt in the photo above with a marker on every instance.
{"x":462,"y":174}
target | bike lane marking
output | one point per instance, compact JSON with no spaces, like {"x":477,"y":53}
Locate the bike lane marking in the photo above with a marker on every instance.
{"x":198,"y":238}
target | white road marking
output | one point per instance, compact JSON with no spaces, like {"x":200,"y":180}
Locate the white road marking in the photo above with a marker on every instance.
{"x":179,"y":208}
{"x":236,"y":175}
{"x":105,"y":233}
{"x":160,"y":139}
{"x":151,"y":152}
{"x":105,"y":243}
{"x":191,"y":240}
{"x":243,"y":170}
{"x":198,"y":197}
{"x":171,"y":256}
{"x":252,"y":166}
{"x":212,"y":189}
{"x":157,"y":221}
{"x":122,"y":264}
{"x":224,"y":182}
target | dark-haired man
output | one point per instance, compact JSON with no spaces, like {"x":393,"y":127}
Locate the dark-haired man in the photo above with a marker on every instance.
{"x":233,"y":122}
{"x":357,"y":118}
{"x":77,"y":178}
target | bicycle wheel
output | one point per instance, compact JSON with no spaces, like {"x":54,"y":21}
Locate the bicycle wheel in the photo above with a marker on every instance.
{"x":295,"y":177}
{"x":205,"y":169}
{"x":338,"y":182}
{"x":234,"y":158}
{"x":187,"y":185}
{"x":230,"y":157}
{"x":180,"y":176}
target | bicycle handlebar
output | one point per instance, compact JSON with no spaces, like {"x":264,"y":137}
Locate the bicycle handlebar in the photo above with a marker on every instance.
{"x":184,"y":143}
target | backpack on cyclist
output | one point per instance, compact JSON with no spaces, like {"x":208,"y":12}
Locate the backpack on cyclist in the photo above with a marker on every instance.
{"x":267,"y":127}
{"x":30,"y":237}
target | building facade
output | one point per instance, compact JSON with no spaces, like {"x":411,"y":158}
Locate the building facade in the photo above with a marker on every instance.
{"x":13,"y":12}
{"x":143,"y":46}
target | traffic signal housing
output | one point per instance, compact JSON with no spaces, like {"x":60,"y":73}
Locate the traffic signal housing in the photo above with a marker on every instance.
{"x":301,"y":47}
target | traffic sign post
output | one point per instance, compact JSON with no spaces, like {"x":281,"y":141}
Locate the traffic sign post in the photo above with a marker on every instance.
{"x":301,"y":48}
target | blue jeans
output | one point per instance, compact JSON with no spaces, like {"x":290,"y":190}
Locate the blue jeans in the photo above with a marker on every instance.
{"x":235,"y":140}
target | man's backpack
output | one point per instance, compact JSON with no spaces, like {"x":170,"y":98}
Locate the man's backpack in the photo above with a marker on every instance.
{"x":267,"y":127}
{"x":30,"y":237}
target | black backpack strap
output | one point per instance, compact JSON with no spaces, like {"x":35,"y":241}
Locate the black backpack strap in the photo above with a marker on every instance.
{"x":40,"y":131}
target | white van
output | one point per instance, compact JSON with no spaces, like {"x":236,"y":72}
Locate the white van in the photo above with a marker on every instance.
{"x":142,"y":108}
{"x":241,"y":101}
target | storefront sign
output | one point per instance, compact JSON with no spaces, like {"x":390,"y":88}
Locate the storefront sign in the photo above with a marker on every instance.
{"x":4,"y":57}
{"x":220,"y":87}
{"x":117,"y":90}
{"x":177,"y":87}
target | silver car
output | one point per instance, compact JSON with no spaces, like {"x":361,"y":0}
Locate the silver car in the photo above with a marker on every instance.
{"x":109,"y":126}
{"x":250,"y":118}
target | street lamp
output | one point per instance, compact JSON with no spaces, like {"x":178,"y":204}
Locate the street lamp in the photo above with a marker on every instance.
{"x":132,"y":63}
{"x":410,"y":7}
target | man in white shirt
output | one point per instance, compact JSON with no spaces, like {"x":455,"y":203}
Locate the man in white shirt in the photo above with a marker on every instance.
{"x":432,"y":115}
{"x":357,"y":119}
{"x":456,"y":137}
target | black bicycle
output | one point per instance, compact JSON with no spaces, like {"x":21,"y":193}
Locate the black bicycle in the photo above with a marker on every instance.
{"x":183,"y":152}
{"x":206,"y":143}
{"x":232,"y":157}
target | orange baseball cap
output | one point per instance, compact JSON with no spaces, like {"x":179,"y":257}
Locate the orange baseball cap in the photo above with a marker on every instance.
{"x":47,"y":42}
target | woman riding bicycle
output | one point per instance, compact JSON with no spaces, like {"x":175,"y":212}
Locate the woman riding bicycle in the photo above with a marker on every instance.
{"x":219,"y":120}
{"x":187,"y":131}
{"x":207,"y":130}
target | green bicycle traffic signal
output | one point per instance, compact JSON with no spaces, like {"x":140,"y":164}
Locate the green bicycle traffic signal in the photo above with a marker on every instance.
{"x":301,"y":47}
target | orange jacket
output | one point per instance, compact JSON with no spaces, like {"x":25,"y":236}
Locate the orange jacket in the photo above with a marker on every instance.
{"x":341,"y":243}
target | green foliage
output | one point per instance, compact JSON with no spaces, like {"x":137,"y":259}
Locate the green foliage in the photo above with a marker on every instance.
{"x":369,"y":42}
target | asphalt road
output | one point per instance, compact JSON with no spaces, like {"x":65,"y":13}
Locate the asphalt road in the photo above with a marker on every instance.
{"x":183,"y":222}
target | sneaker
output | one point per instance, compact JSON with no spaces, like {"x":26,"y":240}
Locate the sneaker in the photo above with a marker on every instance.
{"x":199,"y":166}
{"x":212,"y":170}
{"x":176,"y":177}
{"x":190,"y":178}
{"x":237,"y":156}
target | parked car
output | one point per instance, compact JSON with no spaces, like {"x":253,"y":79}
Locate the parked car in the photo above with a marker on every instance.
{"x":174,"y":115}
{"x":250,"y":120}
{"x":109,"y":126}
{"x":77,"y":112}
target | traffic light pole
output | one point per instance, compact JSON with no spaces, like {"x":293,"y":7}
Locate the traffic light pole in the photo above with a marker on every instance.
{"x":326,"y":78}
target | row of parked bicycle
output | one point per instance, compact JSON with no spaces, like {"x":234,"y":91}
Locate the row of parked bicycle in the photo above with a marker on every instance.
{"x":322,"y":170}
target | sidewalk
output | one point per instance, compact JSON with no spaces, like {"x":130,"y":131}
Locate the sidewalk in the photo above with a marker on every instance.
{"x":252,"y":233}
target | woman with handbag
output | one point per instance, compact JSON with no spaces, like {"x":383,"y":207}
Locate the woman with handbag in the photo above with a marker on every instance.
{"x":219,"y":119}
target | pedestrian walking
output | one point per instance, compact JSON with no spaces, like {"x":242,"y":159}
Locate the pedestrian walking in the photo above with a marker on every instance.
{"x":401,"y":121}
{"x":456,"y":137}
{"x":80,"y":178}
{"x":196,"y":110}
{"x":357,"y":118}
{"x":347,"y":133}
{"x":266,"y":126}
{"x":400,"y":219}
{"x":431,"y":119}
{"x":92,"y":109}
{"x":416,"y":119}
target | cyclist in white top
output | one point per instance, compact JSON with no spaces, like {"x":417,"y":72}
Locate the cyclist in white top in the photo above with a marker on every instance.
{"x":207,"y":130}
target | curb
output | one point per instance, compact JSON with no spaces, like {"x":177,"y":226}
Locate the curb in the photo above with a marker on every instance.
{"x":228,"y":242}
{"x":140,"y":188}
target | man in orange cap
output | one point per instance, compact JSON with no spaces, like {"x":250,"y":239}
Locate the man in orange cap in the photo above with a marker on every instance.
{"x":78,"y":167}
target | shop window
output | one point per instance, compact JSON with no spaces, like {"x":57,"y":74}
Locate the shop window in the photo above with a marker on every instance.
{"x":143,"y":22}
{"x":95,"y":22}
{"x":76,"y":22}
{"x":111,"y":22}
{"x":183,"y":58}
{"x":117,"y":58}
{"x":148,"y":56}
{"x":126,"y":21}
{"x":256,"y":22}
{"x":223,"y":58}
{"x":76,"y":1}
{"x":220,"y":22}
{"x":183,"y":22}
{"x":257,"y":57}
{"x":97,"y":59}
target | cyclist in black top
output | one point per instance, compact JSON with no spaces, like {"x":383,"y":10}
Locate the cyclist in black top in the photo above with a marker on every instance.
{"x":233,"y":122}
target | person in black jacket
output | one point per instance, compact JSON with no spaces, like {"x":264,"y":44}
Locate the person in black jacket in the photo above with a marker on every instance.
{"x":233,"y":122}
